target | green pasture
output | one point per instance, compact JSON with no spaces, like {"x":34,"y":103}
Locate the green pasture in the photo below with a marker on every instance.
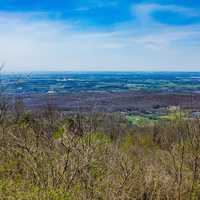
{"x":143,"y":120}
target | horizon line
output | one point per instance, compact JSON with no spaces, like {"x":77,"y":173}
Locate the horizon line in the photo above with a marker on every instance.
{"x":100,"y":71}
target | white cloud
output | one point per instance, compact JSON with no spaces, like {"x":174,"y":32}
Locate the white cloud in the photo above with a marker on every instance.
{"x":32,"y":41}
{"x":144,"y":11}
{"x":158,"y":35}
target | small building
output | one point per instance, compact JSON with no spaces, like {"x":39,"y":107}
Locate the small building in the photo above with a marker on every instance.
{"x":196,"y":114}
{"x":173,"y":108}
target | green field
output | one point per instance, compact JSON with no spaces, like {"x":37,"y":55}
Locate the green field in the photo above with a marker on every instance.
{"x":143,"y":120}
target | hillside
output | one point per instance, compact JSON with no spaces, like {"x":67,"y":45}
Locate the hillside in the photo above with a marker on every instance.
{"x":47,"y":155}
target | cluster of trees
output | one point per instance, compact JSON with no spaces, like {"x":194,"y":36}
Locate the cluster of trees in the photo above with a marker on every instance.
{"x":46,"y":155}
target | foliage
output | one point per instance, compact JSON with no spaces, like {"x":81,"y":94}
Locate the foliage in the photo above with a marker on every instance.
{"x":51,"y":156}
{"x":58,"y":133}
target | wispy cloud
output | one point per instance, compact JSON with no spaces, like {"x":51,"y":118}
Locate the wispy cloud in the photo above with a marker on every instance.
{"x":35,"y":40}
{"x":156,"y":34}
{"x":145,"y":11}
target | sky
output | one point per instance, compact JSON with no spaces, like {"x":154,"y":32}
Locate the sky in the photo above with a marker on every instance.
{"x":100,"y":35}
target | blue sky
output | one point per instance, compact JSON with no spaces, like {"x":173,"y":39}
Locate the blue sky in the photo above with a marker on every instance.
{"x":100,"y":35}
